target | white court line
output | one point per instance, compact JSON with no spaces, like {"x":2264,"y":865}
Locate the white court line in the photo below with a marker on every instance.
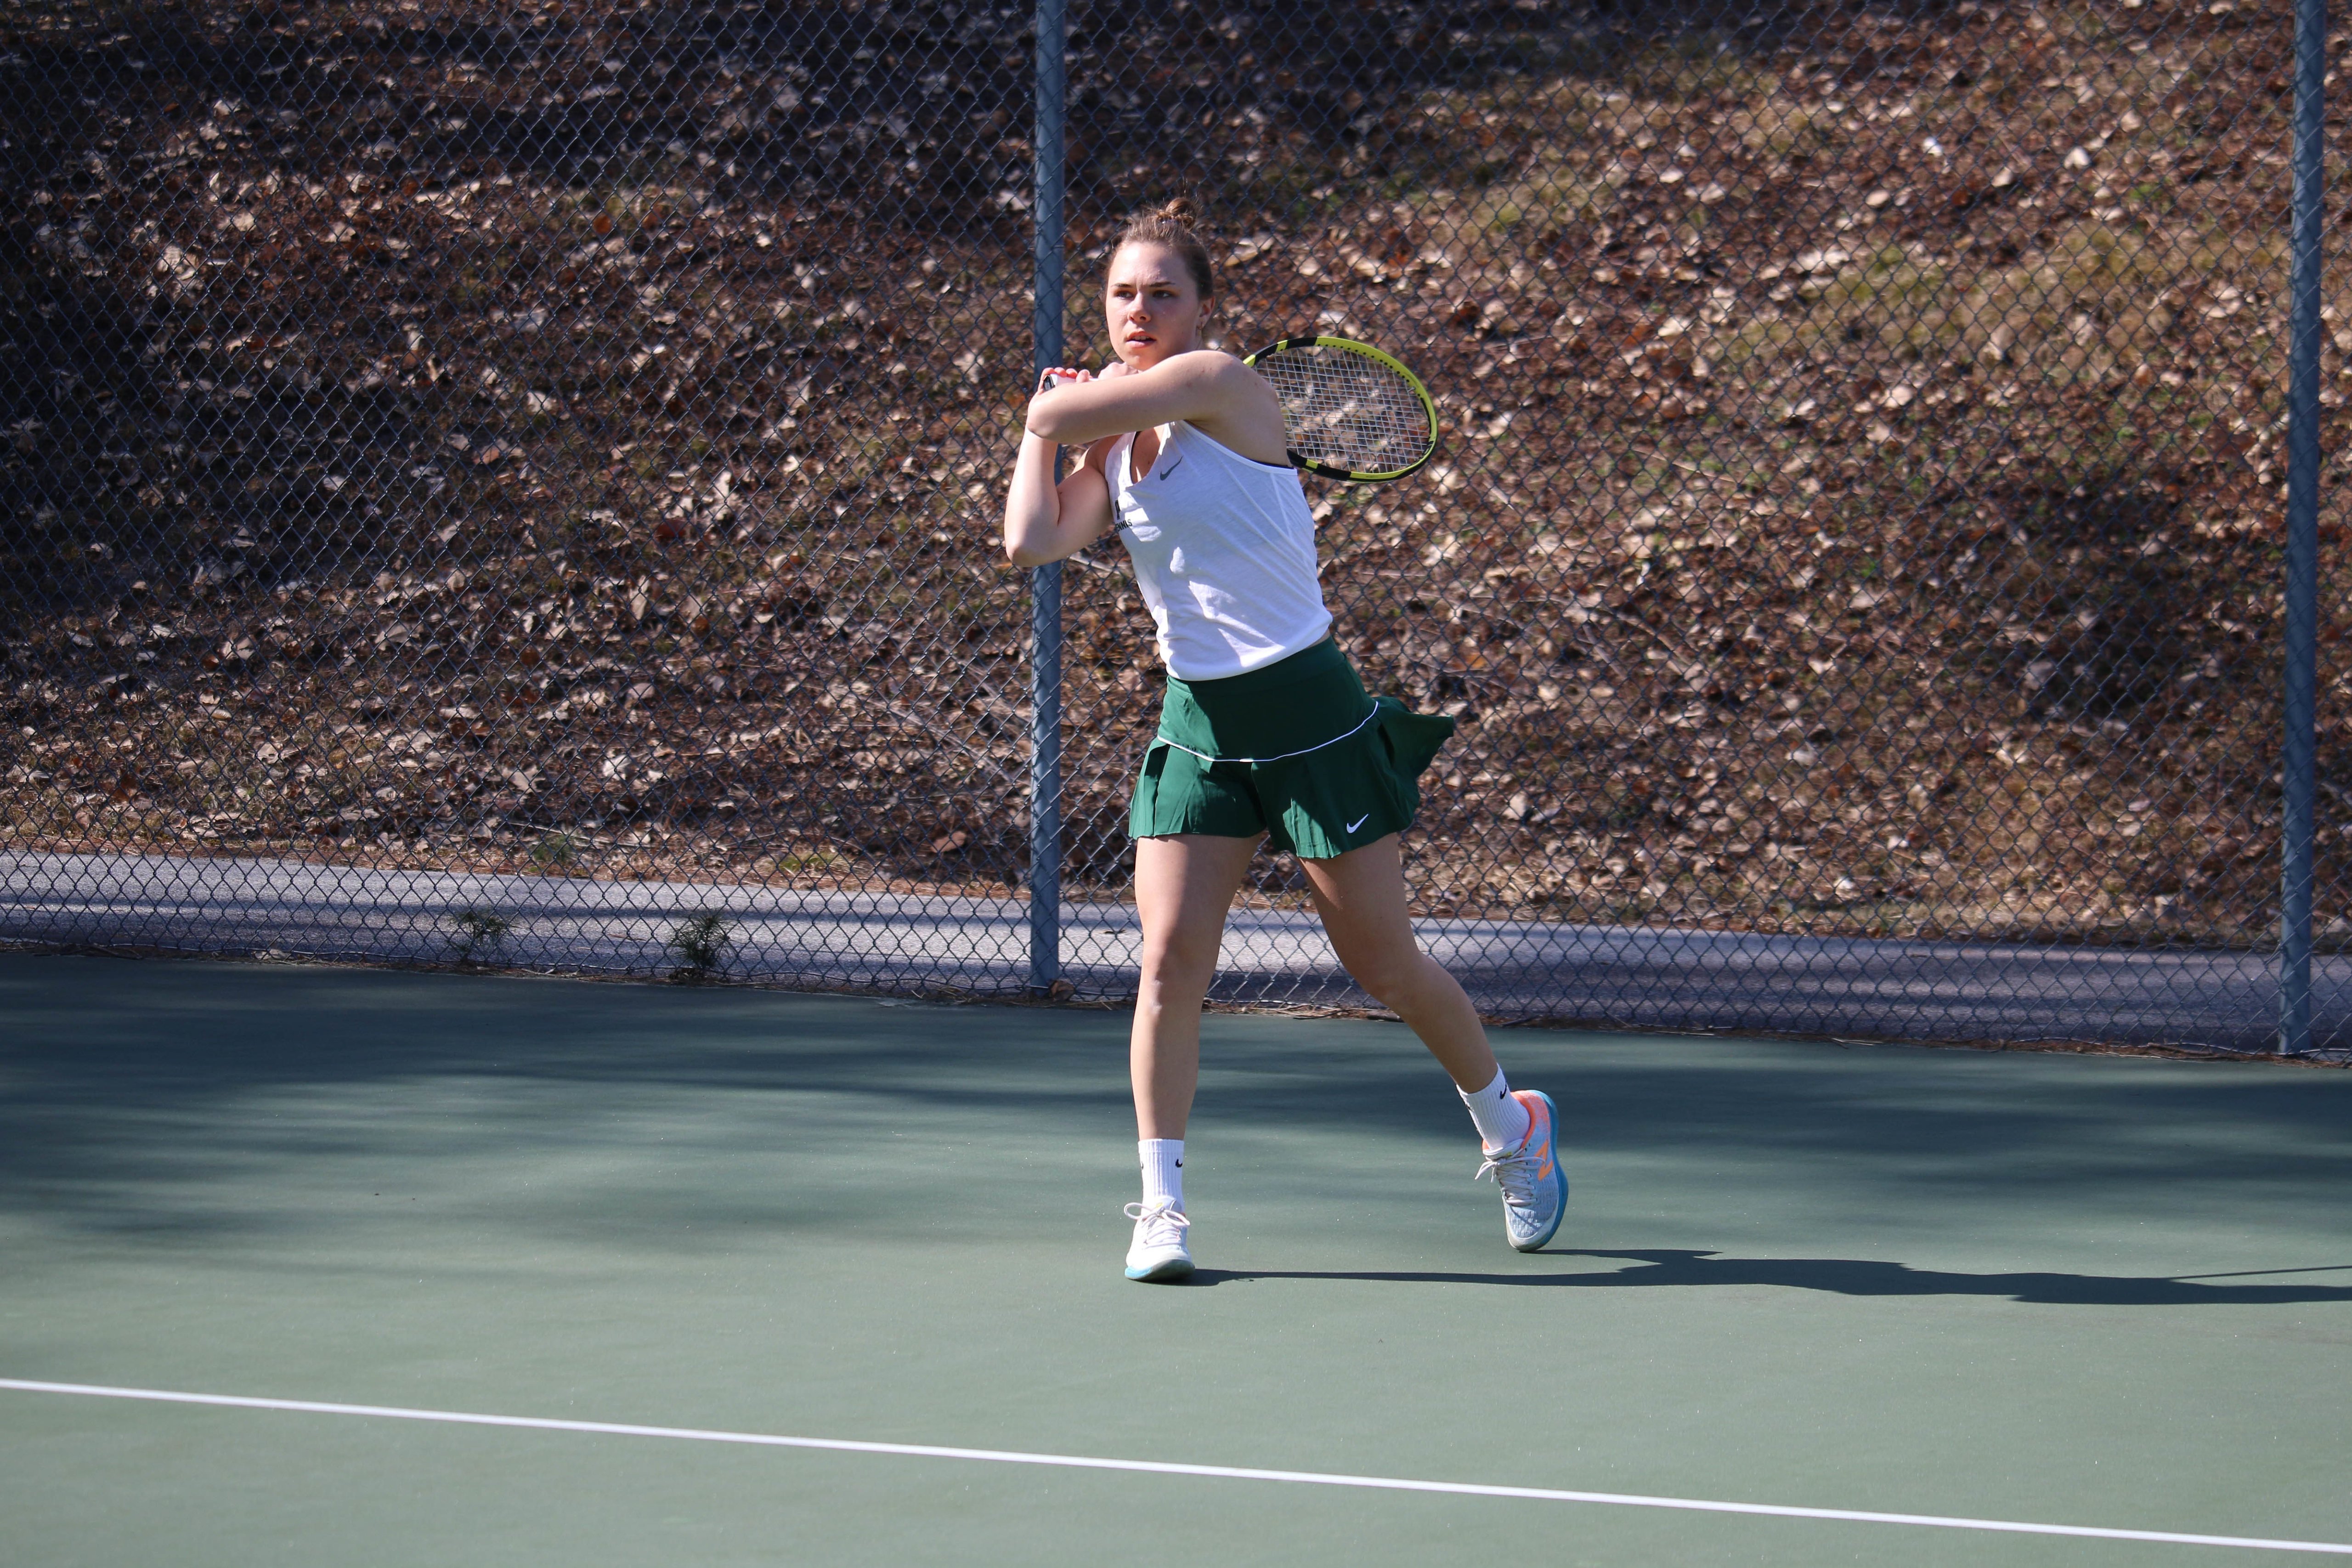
{"x":1162,"y":1468}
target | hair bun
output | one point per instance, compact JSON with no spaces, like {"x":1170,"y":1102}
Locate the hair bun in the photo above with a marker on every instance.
{"x":1170,"y":224}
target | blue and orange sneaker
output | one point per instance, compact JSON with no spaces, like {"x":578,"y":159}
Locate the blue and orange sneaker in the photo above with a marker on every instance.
{"x":1158,"y":1254}
{"x":1535,"y":1189}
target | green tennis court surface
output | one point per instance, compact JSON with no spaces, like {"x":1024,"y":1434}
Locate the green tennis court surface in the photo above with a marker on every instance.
{"x":2000,"y":1286}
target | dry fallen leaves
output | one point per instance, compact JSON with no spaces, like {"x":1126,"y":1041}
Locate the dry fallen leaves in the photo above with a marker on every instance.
{"x":1824,"y":483}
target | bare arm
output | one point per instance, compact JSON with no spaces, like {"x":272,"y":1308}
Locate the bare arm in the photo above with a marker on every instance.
{"x":1213,"y":392}
{"x":1045,"y":522}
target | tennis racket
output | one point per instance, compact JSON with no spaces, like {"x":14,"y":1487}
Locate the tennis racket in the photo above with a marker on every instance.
{"x":1349,"y":410}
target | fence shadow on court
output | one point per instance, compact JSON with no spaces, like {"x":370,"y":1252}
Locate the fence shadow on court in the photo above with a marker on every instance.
{"x":128,"y":1081}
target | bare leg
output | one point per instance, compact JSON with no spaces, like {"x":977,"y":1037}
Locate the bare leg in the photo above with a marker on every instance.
{"x":1183,"y":885}
{"x":1360,"y":896}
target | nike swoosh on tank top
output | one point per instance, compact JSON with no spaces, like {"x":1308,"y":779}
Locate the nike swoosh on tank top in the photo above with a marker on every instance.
{"x":1224,"y":553}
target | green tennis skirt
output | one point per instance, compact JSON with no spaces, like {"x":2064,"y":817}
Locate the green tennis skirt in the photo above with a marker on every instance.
{"x":1295,"y":750}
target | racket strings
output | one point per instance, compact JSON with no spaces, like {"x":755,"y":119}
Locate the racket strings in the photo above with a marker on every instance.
{"x":1349,"y":410}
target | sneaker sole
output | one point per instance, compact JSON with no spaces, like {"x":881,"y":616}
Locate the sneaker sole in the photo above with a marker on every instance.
{"x":1559,"y":1183}
{"x":1162,"y":1273}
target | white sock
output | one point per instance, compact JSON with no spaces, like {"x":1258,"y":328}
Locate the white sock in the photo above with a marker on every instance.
{"x":1163,"y":1171}
{"x":1503,"y":1123}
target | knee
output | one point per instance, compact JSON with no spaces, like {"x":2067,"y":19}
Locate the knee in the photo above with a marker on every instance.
{"x":1174,"y":962}
{"x":1387,"y":977}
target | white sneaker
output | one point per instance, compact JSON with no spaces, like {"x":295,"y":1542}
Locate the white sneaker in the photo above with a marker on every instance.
{"x":1159,"y":1253}
{"x":1535,"y":1189}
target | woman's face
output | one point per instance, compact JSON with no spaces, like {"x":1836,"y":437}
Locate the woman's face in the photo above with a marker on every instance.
{"x":1153,"y":306}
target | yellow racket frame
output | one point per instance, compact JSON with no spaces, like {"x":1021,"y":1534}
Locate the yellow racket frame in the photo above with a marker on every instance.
{"x":1357,"y":476}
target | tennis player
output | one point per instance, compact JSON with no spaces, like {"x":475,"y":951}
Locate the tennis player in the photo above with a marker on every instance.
{"x":1266,"y":734}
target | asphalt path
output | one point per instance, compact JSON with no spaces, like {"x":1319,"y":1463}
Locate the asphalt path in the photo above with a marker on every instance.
{"x":1622,"y":976}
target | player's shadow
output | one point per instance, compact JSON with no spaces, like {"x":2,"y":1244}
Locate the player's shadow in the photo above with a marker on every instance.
{"x":1673,"y":1267}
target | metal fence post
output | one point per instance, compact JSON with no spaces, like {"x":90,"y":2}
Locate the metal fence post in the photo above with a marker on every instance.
{"x":2298,"y":746}
{"x":1045,"y":582}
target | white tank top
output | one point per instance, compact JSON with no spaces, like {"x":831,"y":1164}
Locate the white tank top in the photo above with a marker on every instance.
{"x":1225,"y":552}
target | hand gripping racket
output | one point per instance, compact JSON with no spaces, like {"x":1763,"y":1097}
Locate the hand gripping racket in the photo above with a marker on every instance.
{"x":1349,"y":410}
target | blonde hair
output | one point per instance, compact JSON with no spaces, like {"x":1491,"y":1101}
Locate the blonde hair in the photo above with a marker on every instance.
{"x":1170,"y":224}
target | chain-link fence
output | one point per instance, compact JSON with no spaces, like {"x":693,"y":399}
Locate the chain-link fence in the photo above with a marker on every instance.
{"x":497,"y":483}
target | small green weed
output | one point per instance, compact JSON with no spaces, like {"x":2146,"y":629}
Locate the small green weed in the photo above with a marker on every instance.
{"x":481,"y":935}
{"x":700,"y":943}
{"x":555,"y":852}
